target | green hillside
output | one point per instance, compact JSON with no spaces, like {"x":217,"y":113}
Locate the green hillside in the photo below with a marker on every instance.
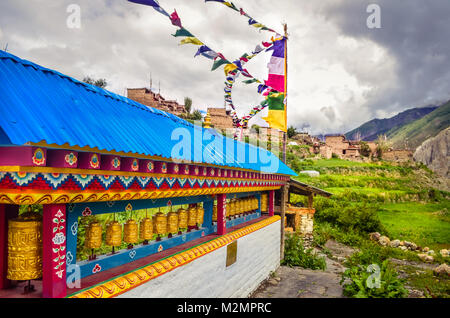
{"x":414,"y":134}
{"x":375,"y":127}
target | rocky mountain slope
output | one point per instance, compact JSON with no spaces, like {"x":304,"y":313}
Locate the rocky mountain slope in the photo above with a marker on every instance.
{"x":435,"y":153}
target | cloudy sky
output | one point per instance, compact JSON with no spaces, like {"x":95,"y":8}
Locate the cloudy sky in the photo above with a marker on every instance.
{"x":341,"y":73}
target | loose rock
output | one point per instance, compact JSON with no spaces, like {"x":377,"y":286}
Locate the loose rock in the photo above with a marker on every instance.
{"x":426,"y":249}
{"x":375,"y":236}
{"x":426,"y":257}
{"x":384,"y":240}
{"x":444,"y":252}
{"x":442,"y":270}
{"x":395,"y":243}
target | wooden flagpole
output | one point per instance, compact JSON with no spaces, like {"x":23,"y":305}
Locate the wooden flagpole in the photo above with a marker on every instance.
{"x":284,"y":189}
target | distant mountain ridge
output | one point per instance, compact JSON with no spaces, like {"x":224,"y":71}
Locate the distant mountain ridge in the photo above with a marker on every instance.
{"x":370,"y":130}
{"x":412,"y":135}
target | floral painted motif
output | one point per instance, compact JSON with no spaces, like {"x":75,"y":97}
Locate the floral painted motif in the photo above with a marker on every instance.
{"x":69,"y":258}
{"x":115,"y":162}
{"x":129,"y":207}
{"x":205,"y":171}
{"x":95,"y":162}
{"x":97,"y":268}
{"x":164,"y":167}
{"x":86,"y":212}
{"x":196,"y":170}
{"x":39,"y":157}
{"x":59,"y":247}
{"x":150,"y":166}
{"x":160,"y":248}
{"x":71,"y":159}
{"x":74,"y":228}
{"x":212,"y":172}
{"x":176,"y":168}
{"x":132,"y":254}
{"x":186,"y":169}
{"x":135,"y":165}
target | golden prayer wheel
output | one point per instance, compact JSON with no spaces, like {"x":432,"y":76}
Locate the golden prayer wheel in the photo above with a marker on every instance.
{"x":200,"y":215}
{"x":146,"y":229}
{"x":192,"y":216}
{"x":214,"y":216}
{"x":131,"y":232}
{"x":160,"y":223}
{"x":93,"y":238}
{"x":25,"y":247}
{"x":114,"y":234}
{"x":241,"y":206}
{"x":172,"y":222}
{"x":229,"y":207}
{"x":182,"y":218}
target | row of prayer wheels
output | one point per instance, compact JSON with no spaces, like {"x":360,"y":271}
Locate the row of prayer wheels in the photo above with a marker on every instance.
{"x":161,"y":224}
{"x":238,"y":207}
{"x":264,"y":202}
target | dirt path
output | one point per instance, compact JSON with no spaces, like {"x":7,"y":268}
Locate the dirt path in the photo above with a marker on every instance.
{"x":298,"y":282}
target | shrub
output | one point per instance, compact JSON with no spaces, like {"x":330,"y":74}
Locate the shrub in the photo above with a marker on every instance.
{"x":296,"y":255}
{"x":363,"y":282}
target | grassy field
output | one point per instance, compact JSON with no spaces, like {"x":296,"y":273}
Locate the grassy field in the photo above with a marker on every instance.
{"x":407,"y":207}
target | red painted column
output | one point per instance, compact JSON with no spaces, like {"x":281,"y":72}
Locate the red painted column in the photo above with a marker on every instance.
{"x":221,"y":214}
{"x":7,"y":212}
{"x":54,"y":251}
{"x":271,"y":203}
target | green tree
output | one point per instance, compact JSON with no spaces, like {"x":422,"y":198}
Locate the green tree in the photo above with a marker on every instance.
{"x":196,"y":115}
{"x":292,"y":131}
{"x":382,"y":145}
{"x":256,"y":128}
{"x":364,"y":149}
{"x":188,"y":104}
{"x":102,"y":83}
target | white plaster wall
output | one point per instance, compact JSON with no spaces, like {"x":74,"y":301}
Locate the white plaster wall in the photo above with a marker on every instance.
{"x":258,"y":254}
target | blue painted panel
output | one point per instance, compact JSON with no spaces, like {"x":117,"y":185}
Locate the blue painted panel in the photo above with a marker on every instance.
{"x":237,"y":221}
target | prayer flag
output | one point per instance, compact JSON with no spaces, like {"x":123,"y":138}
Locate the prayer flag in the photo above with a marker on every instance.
{"x":183,"y":32}
{"x":175,"y":19}
{"x":191,"y":40}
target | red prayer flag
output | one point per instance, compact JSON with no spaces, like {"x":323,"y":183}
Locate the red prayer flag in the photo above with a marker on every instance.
{"x":175,"y":19}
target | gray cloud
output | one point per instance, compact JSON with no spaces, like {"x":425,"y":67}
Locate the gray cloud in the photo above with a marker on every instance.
{"x":336,"y":64}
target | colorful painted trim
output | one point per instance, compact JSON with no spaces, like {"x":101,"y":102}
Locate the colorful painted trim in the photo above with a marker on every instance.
{"x":126,"y":282}
{"x":45,"y":188}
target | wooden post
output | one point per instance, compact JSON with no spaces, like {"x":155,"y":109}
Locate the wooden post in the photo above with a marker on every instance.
{"x":310,"y":200}
{"x":7,"y":212}
{"x":284,"y":190}
{"x":54,"y":251}
{"x":271,"y":203}
{"x":221,"y":214}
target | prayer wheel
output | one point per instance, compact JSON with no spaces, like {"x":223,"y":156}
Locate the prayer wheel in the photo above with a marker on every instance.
{"x":182,"y":218}
{"x":214,"y":216}
{"x":25,"y":247}
{"x":146,"y":229}
{"x":93,"y":238}
{"x":192,"y":217}
{"x":114,"y":234}
{"x":131,"y":232}
{"x":229,"y":208}
{"x":264,"y":202}
{"x":160,"y":223}
{"x":200,"y":215}
{"x":172,"y":222}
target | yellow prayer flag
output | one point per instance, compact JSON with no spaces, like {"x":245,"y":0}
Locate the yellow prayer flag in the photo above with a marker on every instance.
{"x":277,"y":119}
{"x":230,"y":67}
{"x":191,"y":40}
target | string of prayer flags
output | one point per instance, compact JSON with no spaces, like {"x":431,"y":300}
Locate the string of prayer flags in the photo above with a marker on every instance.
{"x":218,"y":63}
{"x":152,"y":3}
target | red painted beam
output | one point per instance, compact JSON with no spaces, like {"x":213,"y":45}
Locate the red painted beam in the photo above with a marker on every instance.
{"x":271,"y":203}
{"x":54,"y":251}
{"x":221,"y":214}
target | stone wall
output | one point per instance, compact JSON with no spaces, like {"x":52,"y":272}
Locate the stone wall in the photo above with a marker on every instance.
{"x":220,"y":119}
{"x":398,"y":155}
{"x":147,"y":97}
{"x":258,"y":254}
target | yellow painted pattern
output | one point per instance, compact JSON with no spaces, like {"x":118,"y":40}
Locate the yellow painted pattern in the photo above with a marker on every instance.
{"x":122,"y":284}
{"x":22,"y":197}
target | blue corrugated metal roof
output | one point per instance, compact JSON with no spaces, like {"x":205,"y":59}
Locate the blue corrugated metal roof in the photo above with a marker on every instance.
{"x":38,"y":104}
